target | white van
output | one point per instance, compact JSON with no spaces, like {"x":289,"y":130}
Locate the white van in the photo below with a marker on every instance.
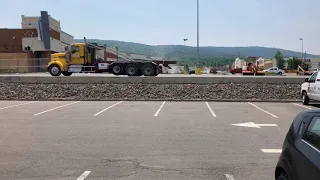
{"x":310,"y":89}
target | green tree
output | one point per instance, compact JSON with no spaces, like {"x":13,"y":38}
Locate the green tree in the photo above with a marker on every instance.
{"x":306,"y":66}
{"x":293,"y":63}
{"x":290,"y":64}
{"x":296,"y":62}
{"x":280,"y":60}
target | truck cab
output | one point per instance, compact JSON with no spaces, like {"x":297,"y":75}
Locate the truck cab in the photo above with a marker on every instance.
{"x":310,"y":89}
{"x":71,"y":60}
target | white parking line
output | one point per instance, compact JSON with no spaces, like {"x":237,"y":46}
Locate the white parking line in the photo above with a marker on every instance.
{"x":271,"y":150}
{"x":84,"y":175}
{"x":18,"y":105}
{"x":301,"y":106}
{"x":229,"y":177}
{"x":158,"y":111}
{"x":55,"y":108}
{"x":107,"y":108}
{"x":263,"y":110}
{"x":213,"y":114}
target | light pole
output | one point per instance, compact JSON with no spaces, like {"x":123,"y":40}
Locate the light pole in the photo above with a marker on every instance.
{"x":184,"y":41}
{"x":198,"y":69}
{"x":302,"y":49}
{"x":198,"y":54}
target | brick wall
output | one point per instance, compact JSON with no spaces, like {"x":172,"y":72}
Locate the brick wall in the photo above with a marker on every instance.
{"x":11,"y":39}
{"x":13,"y":62}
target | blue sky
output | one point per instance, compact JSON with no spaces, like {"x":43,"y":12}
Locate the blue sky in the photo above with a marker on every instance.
{"x":269,"y":23}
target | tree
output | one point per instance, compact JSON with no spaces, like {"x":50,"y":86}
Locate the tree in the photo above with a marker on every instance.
{"x":280,"y":60}
{"x":296,"y":62}
{"x":290,"y":64}
{"x":293,"y":63}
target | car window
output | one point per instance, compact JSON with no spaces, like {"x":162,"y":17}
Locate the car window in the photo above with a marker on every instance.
{"x":312,"y":134}
{"x":314,"y":77}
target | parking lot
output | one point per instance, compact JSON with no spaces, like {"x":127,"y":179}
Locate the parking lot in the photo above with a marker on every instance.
{"x":142,"y":140}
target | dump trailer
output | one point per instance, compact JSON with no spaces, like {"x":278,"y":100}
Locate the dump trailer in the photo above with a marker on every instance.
{"x":81,"y":57}
{"x":252,"y":69}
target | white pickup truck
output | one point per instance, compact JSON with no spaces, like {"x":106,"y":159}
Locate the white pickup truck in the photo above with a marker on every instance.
{"x":275,"y":70}
{"x":310,"y":89}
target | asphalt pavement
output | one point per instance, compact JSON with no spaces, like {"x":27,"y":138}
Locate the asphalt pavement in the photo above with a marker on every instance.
{"x":142,"y":140}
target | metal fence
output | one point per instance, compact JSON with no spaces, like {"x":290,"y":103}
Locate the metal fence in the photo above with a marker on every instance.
{"x":15,"y":65}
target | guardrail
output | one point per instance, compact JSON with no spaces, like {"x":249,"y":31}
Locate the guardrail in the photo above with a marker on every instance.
{"x":151,"y":80}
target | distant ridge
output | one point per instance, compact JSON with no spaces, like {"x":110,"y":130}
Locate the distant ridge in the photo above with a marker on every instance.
{"x":179,"y":51}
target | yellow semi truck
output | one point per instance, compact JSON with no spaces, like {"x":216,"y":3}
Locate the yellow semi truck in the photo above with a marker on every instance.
{"x":81,"y":57}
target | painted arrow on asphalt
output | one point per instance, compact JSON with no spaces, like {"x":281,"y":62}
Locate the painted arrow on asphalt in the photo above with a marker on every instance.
{"x":253,"y":125}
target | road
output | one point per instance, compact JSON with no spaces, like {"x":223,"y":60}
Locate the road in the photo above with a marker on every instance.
{"x":142,"y":140}
{"x":160,"y":75}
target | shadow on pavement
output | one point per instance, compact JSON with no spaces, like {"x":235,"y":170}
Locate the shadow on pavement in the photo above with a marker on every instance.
{"x":317,"y":105}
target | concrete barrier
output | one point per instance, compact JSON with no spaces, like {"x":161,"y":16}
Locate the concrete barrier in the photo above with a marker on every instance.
{"x":152,"y":80}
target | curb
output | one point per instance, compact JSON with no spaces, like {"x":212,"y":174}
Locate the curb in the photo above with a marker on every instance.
{"x":169,"y":100}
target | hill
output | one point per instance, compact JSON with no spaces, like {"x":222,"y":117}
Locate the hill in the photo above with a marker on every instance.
{"x":182,"y":51}
{"x":223,"y":55}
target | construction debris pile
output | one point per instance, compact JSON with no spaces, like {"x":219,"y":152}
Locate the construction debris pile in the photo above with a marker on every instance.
{"x":174,"y":92}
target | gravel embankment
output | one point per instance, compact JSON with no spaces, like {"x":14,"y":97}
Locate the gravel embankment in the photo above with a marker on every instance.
{"x":16,"y":91}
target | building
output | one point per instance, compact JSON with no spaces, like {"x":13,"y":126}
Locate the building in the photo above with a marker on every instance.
{"x":238,"y":63}
{"x":28,"y":49}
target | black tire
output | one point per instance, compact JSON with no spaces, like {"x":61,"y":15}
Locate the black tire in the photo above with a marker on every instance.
{"x":148,"y":70}
{"x":66,"y":73}
{"x":54,"y":70}
{"x":305,"y":98}
{"x":280,"y":73}
{"x":117,"y":69}
{"x":282,"y":176}
{"x":132,"y":70}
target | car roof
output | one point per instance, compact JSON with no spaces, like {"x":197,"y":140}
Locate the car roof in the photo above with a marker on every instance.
{"x":310,"y":111}
{"x":299,"y":117}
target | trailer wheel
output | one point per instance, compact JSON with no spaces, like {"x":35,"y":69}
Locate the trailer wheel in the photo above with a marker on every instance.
{"x":148,"y":70}
{"x":132,"y":70}
{"x":66,"y":73}
{"x":55,"y":70}
{"x":117,"y":69}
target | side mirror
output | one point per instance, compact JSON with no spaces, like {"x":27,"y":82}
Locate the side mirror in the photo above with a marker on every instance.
{"x":306,"y":80}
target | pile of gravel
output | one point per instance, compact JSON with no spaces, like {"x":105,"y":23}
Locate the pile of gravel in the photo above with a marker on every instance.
{"x":17,"y":91}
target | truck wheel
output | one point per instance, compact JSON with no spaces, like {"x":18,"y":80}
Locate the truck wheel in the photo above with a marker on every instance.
{"x":55,"y":70}
{"x":282,"y":177}
{"x":132,"y":70}
{"x":305,"y":98}
{"x":148,"y":70}
{"x":280,"y":73}
{"x":66,"y":73}
{"x":117,"y":69}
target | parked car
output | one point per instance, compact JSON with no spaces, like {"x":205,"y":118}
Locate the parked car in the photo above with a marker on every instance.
{"x":274,"y":70}
{"x":310,"y":89}
{"x":192,"y":71}
{"x":300,"y":156}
